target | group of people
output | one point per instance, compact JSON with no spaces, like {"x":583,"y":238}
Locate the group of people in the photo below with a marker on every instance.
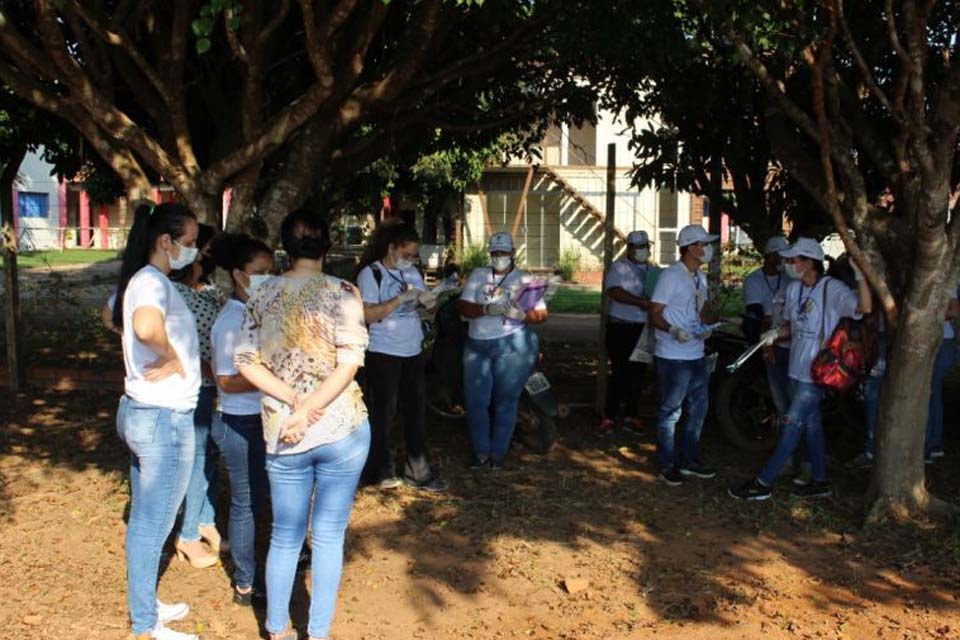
{"x":268,"y":377}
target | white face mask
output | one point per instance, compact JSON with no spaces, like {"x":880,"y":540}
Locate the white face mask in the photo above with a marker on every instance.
{"x":400,"y":263}
{"x":641,"y":255}
{"x":501,"y":263}
{"x":707,"y":256}
{"x":792,"y":271}
{"x":187,"y":256}
{"x":255,"y":281}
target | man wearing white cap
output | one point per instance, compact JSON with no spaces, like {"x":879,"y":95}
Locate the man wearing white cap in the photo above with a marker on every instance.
{"x":764,"y":293}
{"x":683,"y":375}
{"x":814,"y":306}
{"x":500,"y":352}
{"x":629,"y":303}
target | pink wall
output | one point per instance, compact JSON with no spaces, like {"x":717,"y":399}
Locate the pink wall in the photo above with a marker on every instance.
{"x":84,"y":221}
{"x":103,"y":221}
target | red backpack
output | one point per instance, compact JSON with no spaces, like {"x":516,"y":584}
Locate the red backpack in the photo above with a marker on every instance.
{"x":850,"y":353}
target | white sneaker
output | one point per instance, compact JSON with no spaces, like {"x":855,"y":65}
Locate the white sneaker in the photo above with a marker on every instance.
{"x":163,"y":633}
{"x":171,"y":612}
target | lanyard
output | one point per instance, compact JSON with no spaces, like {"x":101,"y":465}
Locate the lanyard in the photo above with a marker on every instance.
{"x":493,"y":278}
{"x":401,"y":279}
{"x":801,"y":301}
{"x":774,"y":290}
{"x":698,"y":296}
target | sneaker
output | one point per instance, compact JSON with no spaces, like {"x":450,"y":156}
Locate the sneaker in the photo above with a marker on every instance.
{"x":605,"y":428}
{"x":813,"y":490}
{"x":937,"y":454}
{"x":752,"y":490}
{"x":671,"y":477}
{"x":432,"y":485}
{"x":805,"y":476}
{"x":254,"y":598}
{"x":171,"y":612}
{"x":862,"y":461}
{"x":480,"y":463}
{"x":633,"y":425}
{"x":161,"y":632}
{"x":388,"y":484}
{"x":496,"y":465}
{"x":697,"y":470}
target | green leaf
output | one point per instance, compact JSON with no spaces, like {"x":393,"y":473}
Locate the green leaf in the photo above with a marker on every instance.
{"x":202,"y":27}
{"x":233,"y":23}
{"x":203,"y":45}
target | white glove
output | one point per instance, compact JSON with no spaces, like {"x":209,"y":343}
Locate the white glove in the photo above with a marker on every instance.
{"x":410,"y":295}
{"x":428,"y":300}
{"x":680,"y":335}
{"x":500,"y":308}
{"x":515,"y":313}
{"x":769,"y":337}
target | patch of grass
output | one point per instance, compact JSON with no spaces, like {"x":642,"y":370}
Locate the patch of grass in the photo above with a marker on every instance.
{"x":575,"y":300}
{"x":68,"y":256}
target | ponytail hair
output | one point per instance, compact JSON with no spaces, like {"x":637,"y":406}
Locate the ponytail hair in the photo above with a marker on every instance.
{"x":231,"y":251}
{"x":393,"y":231}
{"x":149,"y":223}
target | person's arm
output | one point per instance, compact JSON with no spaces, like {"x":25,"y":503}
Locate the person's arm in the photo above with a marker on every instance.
{"x":235,"y":383}
{"x":246,"y":359}
{"x":864,"y":296}
{"x":148,"y":327}
{"x":622,"y":295}
{"x":106,"y":318}
{"x":375,"y":312}
{"x":467,"y":305}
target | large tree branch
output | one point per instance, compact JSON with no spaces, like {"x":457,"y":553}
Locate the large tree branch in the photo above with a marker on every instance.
{"x":862,"y":65}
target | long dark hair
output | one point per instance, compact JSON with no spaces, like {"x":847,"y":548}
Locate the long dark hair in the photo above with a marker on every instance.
{"x":236,"y":250}
{"x":149,"y":223}
{"x":294,"y":232}
{"x":393,"y":231}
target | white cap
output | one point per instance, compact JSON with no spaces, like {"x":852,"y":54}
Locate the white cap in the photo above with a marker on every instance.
{"x":804,"y":247}
{"x":500,"y":241}
{"x":776,"y":244}
{"x":693,"y":233}
{"x":638,"y":237}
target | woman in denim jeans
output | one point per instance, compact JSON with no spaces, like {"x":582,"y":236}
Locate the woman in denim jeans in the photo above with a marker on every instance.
{"x":155,"y":419}
{"x":500,"y":353}
{"x":301,"y":343}
{"x":237,"y":429}
{"x":814,"y":305}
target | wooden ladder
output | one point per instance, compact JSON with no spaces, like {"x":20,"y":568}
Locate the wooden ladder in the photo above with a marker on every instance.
{"x":585,"y":204}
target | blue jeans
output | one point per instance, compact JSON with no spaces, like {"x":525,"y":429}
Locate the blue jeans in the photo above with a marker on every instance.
{"x":202,"y":490}
{"x":778,"y":380}
{"x":946,"y":358}
{"x":802,"y":419}
{"x":161,"y":445}
{"x":871,"y":394}
{"x":240,"y":440}
{"x":495,"y":371}
{"x":682,"y":385}
{"x":324,"y":478}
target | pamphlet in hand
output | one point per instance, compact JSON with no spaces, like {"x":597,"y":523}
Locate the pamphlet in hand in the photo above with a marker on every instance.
{"x":703,"y":330}
{"x":529,"y":297}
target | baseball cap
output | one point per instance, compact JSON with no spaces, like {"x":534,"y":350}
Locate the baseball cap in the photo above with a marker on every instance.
{"x":776,"y":244}
{"x":693,"y":233}
{"x":804,"y":247}
{"x":638,"y":237}
{"x":500,"y":241}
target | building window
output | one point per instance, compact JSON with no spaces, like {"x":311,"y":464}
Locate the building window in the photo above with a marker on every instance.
{"x":33,"y":205}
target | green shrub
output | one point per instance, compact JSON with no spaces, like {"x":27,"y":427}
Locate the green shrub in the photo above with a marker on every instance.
{"x":569,"y":264}
{"x":471,"y":256}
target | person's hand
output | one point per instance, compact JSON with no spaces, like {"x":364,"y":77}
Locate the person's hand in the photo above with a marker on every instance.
{"x":427,"y":300}
{"x":295,"y":427}
{"x":769,"y":337}
{"x":410,"y":295}
{"x":680,"y":335}
{"x":768,"y":354}
{"x":516,"y":313}
{"x":163,"y":367}
{"x":500,"y":308}
{"x":313,"y":415}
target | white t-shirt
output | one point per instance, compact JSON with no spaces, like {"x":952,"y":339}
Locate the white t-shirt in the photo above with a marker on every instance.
{"x":684,"y":295}
{"x":630,"y":277}
{"x":400,"y":333}
{"x":484,"y":287}
{"x":809,"y":329}
{"x":759,"y":288}
{"x":223,"y":337}
{"x":149,"y":287}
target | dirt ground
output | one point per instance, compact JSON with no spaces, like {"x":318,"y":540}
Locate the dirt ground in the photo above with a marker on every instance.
{"x":581,"y":543}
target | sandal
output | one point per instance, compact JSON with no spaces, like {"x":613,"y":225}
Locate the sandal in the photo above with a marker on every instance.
{"x":288,"y":634}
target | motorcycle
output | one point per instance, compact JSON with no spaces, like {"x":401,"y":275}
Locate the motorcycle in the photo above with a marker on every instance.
{"x":539,"y":409}
{"x":742,"y":404}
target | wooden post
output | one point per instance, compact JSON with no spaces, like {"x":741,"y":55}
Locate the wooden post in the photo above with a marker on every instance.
{"x":518,"y":216}
{"x":487,"y":226}
{"x":11,"y":284}
{"x":608,"y":234}
{"x":716,"y":227}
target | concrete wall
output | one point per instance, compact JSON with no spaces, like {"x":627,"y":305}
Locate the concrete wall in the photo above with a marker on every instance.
{"x":34,"y":177}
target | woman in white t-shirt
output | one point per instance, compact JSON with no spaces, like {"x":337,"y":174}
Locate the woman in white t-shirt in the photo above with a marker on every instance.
{"x":237,"y":429}
{"x":392,"y":291}
{"x":814,"y":305}
{"x":161,"y":356}
{"x":501,"y":350}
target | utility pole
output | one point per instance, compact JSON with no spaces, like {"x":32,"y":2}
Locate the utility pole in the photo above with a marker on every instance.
{"x":608,"y":235}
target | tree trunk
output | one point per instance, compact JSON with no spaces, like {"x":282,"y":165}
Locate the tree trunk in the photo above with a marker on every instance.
{"x":242,"y":200}
{"x":15,"y":358}
{"x":897,"y":488}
